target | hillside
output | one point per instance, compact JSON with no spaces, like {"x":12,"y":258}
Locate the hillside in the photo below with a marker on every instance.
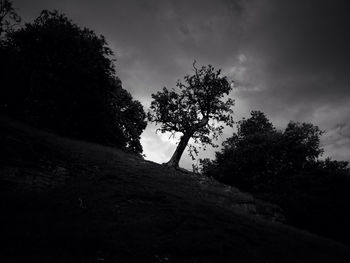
{"x":64,"y":200}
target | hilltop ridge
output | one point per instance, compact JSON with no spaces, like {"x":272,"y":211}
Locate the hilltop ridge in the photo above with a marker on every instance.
{"x":66,"y":200}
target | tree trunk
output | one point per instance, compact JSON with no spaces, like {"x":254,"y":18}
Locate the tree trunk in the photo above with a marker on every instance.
{"x":174,"y":161}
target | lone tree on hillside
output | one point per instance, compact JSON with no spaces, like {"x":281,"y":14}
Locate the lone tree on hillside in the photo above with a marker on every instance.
{"x":195,"y":109}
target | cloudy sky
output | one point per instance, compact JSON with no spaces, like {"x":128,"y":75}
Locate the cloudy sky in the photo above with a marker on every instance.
{"x":290,"y":59}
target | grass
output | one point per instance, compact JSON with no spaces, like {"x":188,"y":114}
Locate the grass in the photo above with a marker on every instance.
{"x":65,"y":200}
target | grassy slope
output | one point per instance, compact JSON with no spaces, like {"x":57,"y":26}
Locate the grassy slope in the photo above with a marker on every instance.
{"x":69,"y":201}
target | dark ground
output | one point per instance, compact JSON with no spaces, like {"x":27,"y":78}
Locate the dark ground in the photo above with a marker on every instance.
{"x":64,"y":200}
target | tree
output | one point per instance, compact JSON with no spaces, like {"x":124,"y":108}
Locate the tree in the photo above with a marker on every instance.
{"x":302,"y":143}
{"x":284,"y":167}
{"x":257,"y":155}
{"x":249,"y":156}
{"x":62,"y":77}
{"x":8,"y":16}
{"x":258,"y":123}
{"x":195,"y":109}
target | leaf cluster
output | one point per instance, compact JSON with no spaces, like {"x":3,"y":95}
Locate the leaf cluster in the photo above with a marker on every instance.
{"x":8,"y":17}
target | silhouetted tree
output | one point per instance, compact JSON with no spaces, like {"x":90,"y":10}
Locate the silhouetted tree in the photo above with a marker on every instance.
{"x":248,"y":155}
{"x":62,"y":77}
{"x":302,"y":143}
{"x":8,"y":16}
{"x":257,"y":154}
{"x":195,"y":109}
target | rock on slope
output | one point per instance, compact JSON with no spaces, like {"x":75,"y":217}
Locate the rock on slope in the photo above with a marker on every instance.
{"x":64,"y":200}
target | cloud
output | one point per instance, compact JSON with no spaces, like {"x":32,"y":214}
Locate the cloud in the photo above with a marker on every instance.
{"x":289,"y":59}
{"x":298,"y":66}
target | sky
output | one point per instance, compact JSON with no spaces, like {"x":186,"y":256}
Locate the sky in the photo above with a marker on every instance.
{"x":289,"y":59}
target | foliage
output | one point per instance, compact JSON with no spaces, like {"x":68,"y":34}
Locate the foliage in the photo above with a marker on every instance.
{"x":284,"y":167}
{"x":196,"y":109}
{"x":257,"y":152}
{"x":62,"y":77}
{"x":8,"y":16}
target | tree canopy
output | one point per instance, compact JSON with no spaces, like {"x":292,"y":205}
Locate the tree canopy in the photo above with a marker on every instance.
{"x":62,"y":77}
{"x":258,"y":153}
{"x":196,"y":109}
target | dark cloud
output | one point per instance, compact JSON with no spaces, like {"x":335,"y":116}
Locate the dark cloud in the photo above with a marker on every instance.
{"x":299,"y":54}
{"x":290,"y":59}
